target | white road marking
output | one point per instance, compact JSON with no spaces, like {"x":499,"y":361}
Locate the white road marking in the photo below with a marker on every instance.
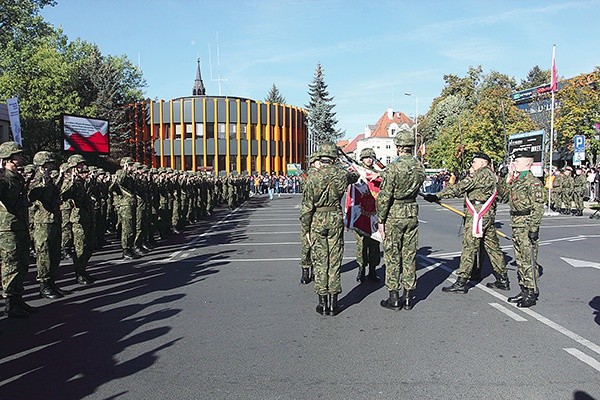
{"x":592,"y":362}
{"x":580,"y":263}
{"x":506,"y":311}
{"x":551,"y":324}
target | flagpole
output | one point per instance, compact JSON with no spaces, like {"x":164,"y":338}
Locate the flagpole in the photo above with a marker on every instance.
{"x":553,"y":88}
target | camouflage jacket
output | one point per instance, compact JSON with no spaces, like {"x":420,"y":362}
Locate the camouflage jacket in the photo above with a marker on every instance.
{"x":324,"y":189}
{"x":525,"y":195}
{"x":399,"y":188}
{"x":45,"y":196}
{"x":478,"y":188}
{"x":579,"y":184}
{"x":14,"y":214}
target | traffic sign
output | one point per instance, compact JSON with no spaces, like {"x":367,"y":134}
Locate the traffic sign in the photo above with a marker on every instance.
{"x":578,"y":143}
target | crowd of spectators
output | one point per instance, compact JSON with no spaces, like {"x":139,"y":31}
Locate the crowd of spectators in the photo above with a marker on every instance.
{"x":275,"y":184}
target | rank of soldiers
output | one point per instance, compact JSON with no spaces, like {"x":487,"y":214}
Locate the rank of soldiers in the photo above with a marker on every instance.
{"x":56,"y":212}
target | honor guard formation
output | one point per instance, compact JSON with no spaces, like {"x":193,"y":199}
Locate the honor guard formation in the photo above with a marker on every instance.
{"x":322,"y":223}
{"x":56,"y":212}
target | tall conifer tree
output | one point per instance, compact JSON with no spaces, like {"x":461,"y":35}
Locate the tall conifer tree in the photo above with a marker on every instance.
{"x":321,"y":118}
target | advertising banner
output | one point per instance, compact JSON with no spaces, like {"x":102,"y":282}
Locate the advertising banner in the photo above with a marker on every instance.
{"x":15,"y":120}
{"x":532,"y":141}
{"x":85,"y":135}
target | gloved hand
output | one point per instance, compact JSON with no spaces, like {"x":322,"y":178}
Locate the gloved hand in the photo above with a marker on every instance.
{"x":503,"y":171}
{"x":432,"y":198}
{"x":533,"y":235}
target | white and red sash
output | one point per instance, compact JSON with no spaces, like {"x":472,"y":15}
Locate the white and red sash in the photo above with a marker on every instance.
{"x":477,"y":228}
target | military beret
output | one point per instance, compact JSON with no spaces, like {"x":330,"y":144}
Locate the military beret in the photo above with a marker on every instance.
{"x":525,"y":153}
{"x":483,"y":156}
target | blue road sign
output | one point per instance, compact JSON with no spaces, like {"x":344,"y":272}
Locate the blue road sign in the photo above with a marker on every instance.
{"x":578,"y":143}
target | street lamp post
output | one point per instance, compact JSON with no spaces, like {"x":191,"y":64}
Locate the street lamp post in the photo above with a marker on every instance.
{"x":416,"y":119}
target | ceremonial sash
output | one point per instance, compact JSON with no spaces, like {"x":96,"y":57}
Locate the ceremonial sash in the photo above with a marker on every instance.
{"x":477,"y":227}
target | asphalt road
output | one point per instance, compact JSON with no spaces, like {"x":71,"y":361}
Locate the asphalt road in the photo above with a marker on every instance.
{"x":218,"y":313}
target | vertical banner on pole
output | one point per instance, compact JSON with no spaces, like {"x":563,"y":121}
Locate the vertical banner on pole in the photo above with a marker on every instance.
{"x":15,"y":121}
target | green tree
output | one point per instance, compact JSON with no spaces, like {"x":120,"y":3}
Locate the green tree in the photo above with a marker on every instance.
{"x":468,"y":117}
{"x":579,"y":111}
{"x":321,"y":118}
{"x":275,"y":96}
{"x":535,"y":77}
{"x":20,"y":21}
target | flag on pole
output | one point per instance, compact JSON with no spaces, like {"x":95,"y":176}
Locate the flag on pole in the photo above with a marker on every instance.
{"x":553,"y":81}
{"x":361,"y":213}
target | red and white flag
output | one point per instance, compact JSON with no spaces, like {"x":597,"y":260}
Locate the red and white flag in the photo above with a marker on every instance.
{"x":361,"y":213}
{"x":553,"y":79}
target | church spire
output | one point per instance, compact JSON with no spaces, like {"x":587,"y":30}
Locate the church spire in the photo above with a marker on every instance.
{"x":199,"y":89}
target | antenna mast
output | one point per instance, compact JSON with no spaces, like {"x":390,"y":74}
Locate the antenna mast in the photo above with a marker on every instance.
{"x":219,"y":79}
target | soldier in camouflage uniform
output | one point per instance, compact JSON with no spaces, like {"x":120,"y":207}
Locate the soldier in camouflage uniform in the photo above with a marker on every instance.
{"x":305,"y":262}
{"x":66,"y":206}
{"x":125,"y":202}
{"x":321,"y":216}
{"x":566,"y":191}
{"x":480,"y":192}
{"x":14,"y":230}
{"x":44,"y":193}
{"x":397,"y":216}
{"x":77,"y":189}
{"x":367,"y":249}
{"x":556,"y":194}
{"x":524,"y":193}
{"x":579,"y":185}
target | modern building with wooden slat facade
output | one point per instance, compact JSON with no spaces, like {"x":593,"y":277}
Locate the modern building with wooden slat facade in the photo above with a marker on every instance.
{"x":219,"y":134}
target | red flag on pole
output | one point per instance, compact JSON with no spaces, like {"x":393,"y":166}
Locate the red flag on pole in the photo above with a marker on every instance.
{"x":553,"y":84}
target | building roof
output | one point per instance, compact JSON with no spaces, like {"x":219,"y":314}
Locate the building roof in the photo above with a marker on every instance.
{"x":381,"y":127}
{"x":351,"y":147}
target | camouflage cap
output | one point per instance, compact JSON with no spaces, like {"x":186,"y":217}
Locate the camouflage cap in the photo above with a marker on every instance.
{"x":7,"y":149}
{"x":75,"y":159}
{"x":404,"y":137}
{"x":54,"y":174}
{"x":329,"y":150}
{"x":368,"y":152}
{"x":29,"y":169}
{"x":42,"y":157}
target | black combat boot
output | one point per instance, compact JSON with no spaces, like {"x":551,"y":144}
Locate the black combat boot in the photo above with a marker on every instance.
{"x":372,"y":274}
{"x":25,"y":306}
{"x":129,"y":254}
{"x":460,"y":286}
{"x":305,"y":280}
{"x":407,"y":299}
{"x":360,"y":276}
{"x":84,"y":278}
{"x":322,"y":307}
{"x":13,"y":308}
{"x":392,"y":302}
{"x":529,"y":299}
{"x":57,"y":289}
{"x":501,"y":283}
{"x":47,"y":291}
{"x":334,"y":309}
{"x":476,"y":275}
{"x":520,"y":296}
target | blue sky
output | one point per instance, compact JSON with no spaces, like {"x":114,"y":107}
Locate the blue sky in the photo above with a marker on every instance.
{"x":372,"y":52}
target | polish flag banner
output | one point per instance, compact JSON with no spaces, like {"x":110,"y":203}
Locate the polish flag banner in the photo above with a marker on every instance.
{"x":553,"y":80}
{"x":361,"y":212}
{"x":85,"y":135}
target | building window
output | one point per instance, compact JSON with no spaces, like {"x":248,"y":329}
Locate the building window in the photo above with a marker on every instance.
{"x":221,"y":131}
{"x":232,"y":131}
{"x":199,"y":129}
{"x":388,"y":146}
{"x":388,"y":160}
{"x":210,"y":131}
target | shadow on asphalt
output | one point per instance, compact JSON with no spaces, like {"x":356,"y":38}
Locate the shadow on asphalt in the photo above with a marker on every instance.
{"x":78,"y":343}
{"x":595,"y":304}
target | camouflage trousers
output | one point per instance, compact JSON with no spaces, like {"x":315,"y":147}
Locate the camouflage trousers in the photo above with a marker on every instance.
{"x":67,"y":232}
{"x":46,"y":239}
{"x":83,"y":245}
{"x":327,"y":250}
{"x":127,"y":221}
{"x":305,"y":262}
{"x":471,"y":245}
{"x":399,"y":252}
{"x":367,"y":251}
{"x":141,"y":223}
{"x":578,"y":200}
{"x":523,"y":249}
{"x":14,"y":250}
